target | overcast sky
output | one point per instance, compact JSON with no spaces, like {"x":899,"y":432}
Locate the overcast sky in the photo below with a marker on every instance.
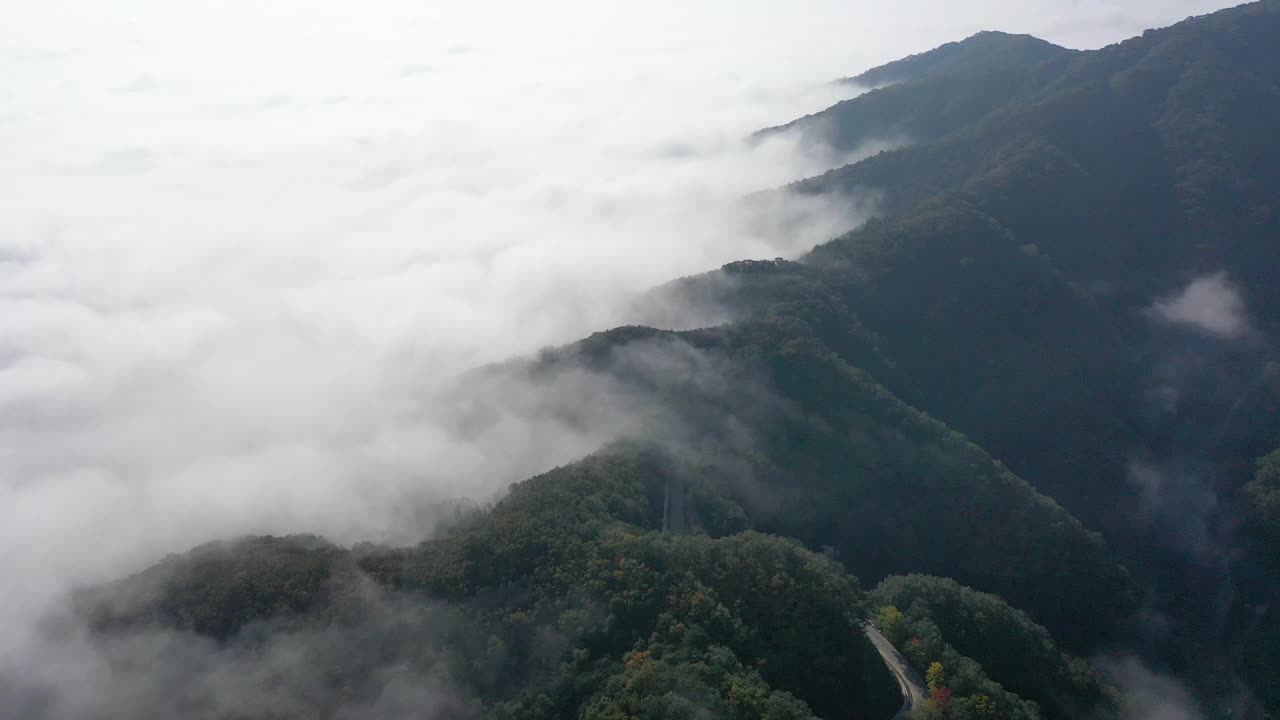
{"x":244,"y":244}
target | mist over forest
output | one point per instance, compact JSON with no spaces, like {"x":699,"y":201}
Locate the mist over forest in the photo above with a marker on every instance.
{"x":398,"y":360}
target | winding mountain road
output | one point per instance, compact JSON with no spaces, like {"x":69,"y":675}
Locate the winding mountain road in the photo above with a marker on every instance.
{"x":914,"y":693}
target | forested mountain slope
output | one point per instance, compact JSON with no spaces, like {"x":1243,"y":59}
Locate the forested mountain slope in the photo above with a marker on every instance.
{"x":766,"y":429}
{"x":983,"y":52}
{"x":928,"y":95}
{"x":1082,"y":281}
{"x":1060,"y":323}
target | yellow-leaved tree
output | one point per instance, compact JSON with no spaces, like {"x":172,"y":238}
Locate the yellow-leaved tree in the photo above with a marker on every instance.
{"x":893,"y":624}
{"x":935,"y":676}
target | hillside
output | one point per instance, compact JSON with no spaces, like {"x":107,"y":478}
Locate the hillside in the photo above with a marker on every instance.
{"x":981,"y":53}
{"x":926,"y":96}
{"x":1018,"y":281}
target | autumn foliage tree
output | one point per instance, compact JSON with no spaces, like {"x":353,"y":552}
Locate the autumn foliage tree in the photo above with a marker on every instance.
{"x":893,"y":624}
{"x":935,"y":676}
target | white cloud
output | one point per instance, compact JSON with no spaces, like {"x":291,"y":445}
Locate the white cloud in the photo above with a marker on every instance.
{"x":1148,"y":695}
{"x":1210,"y":303}
{"x":1175,"y":501}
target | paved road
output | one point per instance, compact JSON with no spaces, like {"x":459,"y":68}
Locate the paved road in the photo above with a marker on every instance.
{"x":914,"y":693}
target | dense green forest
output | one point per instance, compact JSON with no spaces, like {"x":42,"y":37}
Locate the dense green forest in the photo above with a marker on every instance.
{"x":990,"y":404}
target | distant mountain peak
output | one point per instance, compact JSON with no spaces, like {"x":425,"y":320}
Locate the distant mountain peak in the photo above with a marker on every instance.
{"x":984,"y":51}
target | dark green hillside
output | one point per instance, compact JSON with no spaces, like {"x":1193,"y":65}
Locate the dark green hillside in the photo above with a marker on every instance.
{"x":927,"y":96}
{"x":215,"y":589}
{"x":981,"y":53}
{"x":560,"y":601}
{"x":1259,"y":638}
{"x":837,"y":460}
{"x":1165,"y":139}
{"x":886,"y":488}
{"x":1007,"y":288}
{"x":1001,"y":284}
